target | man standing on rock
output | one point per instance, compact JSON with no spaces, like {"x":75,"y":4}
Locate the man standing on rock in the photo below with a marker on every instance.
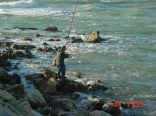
{"x":59,"y":62}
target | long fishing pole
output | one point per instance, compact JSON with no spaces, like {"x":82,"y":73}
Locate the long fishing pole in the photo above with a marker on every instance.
{"x":72,"y":18}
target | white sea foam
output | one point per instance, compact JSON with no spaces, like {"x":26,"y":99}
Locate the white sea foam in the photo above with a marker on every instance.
{"x":32,"y":11}
{"x":15,"y":3}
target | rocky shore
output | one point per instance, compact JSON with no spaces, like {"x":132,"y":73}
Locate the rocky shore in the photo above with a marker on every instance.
{"x":49,"y":96}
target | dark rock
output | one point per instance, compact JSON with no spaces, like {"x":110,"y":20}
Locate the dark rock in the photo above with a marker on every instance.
{"x":38,"y":35}
{"x":74,"y":39}
{"x":34,"y":77}
{"x":4,"y":76}
{"x":6,"y":44}
{"x":54,"y":40}
{"x":35,"y":98}
{"x":4,"y":63}
{"x":62,"y":105}
{"x":45,"y":49}
{"x":17,"y":88}
{"x":22,"y":47}
{"x":70,"y":86}
{"x":45,"y":111}
{"x":88,"y":102}
{"x":26,"y":28}
{"x":53,"y":29}
{"x":15,"y":79}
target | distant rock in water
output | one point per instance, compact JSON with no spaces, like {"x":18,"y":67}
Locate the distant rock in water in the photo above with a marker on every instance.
{"x":26,"y":28}
{"x":38,"y":35}
{"x":74,"y":39}
{"x":23,"y":46}
{"x":52,"y":29}
{"x":94,"y":37}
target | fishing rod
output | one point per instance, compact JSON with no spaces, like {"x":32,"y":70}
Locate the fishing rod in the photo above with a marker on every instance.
{"x":72,"y":20}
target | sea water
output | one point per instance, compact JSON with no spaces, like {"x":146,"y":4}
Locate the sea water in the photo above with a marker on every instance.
{"x":126,"y":63}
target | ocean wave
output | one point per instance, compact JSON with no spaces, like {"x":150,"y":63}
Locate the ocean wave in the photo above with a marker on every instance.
{"x":14,"y":3}
{"x":32,"y":11}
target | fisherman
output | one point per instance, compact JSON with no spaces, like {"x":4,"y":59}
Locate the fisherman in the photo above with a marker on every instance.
{"x":59,"y":62}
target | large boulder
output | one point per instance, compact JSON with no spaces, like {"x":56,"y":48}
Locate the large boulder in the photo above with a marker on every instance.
{"x":53,"y":29}
{"x":47,"y":86}
{"x":70,"y":86}
{"x":94,"y":37}
{"x":34,"y":77}
{"x":44,"y":82}
{"x":62,"y":104}
{"x":9,"y":106}
{"x":35,"y":98}
{"x":4,"y":76}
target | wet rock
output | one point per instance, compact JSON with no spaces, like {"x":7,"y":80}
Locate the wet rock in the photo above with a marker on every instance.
{"x":45,"y":49}
{"x":99,"y":113}
{"x":44,"y":44}
{"x":9,"y":106}
{"x":35,"y":98}
{"x":38,"y":35}
{"x":45,"y":111}
{"x":22,"y":54}
{"x":54,"y":39}
{"x":17,"y":89}
{"x":62,"y":105}
{"x":15,"y":79}
{"x":4,"y":63}
{"x":94,"y":37}
{"x":4,"y":76}
{"x":26,"y":28}
{"x":6,"y":44}
{"x":47,"y":86}
{"x":74,"y":39}
{"x":7,"y":97}
{"x":88,"y":102}
{"x":22,"y":47}
{"x":96,"y":85}
{"x":50,"y":74}
{"x":52,"y":29}
{"x":70,"y":86}
{"x":34,"y":77}
{"x":109,"y":108}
